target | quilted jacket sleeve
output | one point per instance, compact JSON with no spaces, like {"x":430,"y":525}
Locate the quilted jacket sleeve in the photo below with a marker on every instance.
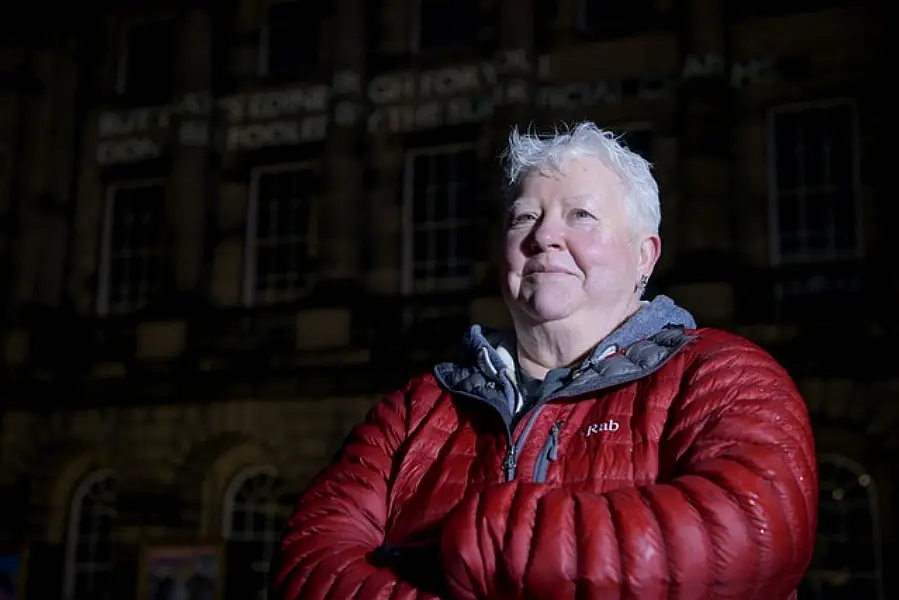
{"x":338,"y":522}
{"x":737,"y":521}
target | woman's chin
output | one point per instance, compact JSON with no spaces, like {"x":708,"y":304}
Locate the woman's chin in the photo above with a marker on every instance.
{"x":546,"y":310}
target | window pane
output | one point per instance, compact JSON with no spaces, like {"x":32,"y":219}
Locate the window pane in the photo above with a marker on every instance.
{"x":813,"y":150}
{"x":841,"y":148}
{"x":788,"y":213}
{"x":814,"y":174}
{"x":134,"y":261}
{"x":819,"y":217}
{"x":845,"y":221}
{"x":442,"y":196}
{"x":283,"y":226}
{"x":846,"y":559}
{"x":253,"y":507}
{"x":256,"y":506}
{"x":89,"y":562}
{"x":238,"y":521}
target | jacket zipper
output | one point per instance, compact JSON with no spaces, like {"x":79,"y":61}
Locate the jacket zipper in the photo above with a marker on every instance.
{"x":549,"y":453}
{"x":510,"y":462}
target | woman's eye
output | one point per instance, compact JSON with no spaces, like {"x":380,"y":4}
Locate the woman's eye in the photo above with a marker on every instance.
{"x":581,"y":214}
{"x":523,"y":218}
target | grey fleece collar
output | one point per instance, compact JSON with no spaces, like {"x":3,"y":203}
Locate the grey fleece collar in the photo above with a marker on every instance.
{"x":648,"y":339}
{"x":650,"y":319}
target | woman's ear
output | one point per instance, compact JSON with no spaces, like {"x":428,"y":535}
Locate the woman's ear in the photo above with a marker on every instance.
{"x":650,"y":249}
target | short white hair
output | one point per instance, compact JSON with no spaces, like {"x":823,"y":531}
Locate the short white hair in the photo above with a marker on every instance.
{"x":531,"y":152}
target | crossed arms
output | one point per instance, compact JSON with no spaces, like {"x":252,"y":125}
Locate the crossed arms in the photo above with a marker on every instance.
{"x":736,"y":521}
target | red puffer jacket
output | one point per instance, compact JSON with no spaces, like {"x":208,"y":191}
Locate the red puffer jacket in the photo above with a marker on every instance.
{"x":680,"y":468}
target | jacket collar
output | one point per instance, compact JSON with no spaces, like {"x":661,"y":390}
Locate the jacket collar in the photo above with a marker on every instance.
{"x":638,"y":347}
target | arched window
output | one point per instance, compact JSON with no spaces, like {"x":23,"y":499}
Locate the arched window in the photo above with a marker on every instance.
{"x":255,"y":513}
{"x":848,"y":556}
{"x":88,"y":559}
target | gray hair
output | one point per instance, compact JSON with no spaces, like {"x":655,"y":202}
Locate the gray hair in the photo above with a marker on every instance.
{"x":532,"y":152}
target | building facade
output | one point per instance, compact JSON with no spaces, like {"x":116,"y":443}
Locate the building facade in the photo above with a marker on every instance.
{"x":231,"y":227}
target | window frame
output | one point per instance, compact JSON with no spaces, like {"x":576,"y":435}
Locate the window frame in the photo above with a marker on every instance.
{"x":251,"y":245}
{"x":859,"y":472}
{"x":105,"y":271}
{"x":228,"y":504}
{"x":774,"y":238}
{"x":73,"y":532}
{"x":408,"y":283}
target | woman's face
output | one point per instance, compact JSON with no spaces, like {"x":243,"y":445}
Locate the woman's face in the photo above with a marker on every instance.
{"x":570,"y":252}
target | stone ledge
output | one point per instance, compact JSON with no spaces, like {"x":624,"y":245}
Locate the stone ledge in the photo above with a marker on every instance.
{"x":160,"y":340}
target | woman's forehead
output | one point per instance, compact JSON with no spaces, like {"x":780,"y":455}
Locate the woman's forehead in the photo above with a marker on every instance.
{"x":577,"y":177}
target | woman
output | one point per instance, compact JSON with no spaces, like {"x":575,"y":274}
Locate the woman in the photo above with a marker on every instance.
{"x":604,"y":448}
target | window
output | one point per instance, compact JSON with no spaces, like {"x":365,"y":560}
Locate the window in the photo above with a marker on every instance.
{"x":147,"y":60}
{"x":847,"y":561}
{"x":255,"y":514}
{"x":88,"y":561}
{"x":814,"y":180}
{"x":280,"y":242}
{"x":289,"y":40}
{"x":446,"y":25}
{"x":439,"y":197}
{"x":130,"y":275}
{"x":598,"y":14}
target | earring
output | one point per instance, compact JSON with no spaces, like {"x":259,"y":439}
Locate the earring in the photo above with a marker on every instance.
{"x":644,"y":281}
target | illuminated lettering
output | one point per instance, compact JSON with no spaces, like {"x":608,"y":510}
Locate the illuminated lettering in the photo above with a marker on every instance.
{"x":271,"y":105}
{"x":752,"y":73}
{"x":127,"y":151}
{"x":403,"y":102}
{"x":703,"y":66}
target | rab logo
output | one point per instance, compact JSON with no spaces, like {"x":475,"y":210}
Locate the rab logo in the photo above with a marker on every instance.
{"x":610,"y":425}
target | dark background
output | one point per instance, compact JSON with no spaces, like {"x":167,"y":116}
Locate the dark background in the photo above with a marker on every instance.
{"x":204,"y":287}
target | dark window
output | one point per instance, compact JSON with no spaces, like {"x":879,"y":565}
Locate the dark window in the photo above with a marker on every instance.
{"x":255,"y":515}
{"x":132,"y":270}
{"x":440,"y":194}
{"x":148,"y":59}
{"x":89,"y":560}
{"x":282,"y":240}
{"x":814,"y":182}
{"x":848,"y":561}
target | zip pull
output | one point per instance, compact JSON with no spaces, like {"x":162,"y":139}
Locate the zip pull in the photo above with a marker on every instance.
{"x":510,"y":463}
{"x":554,"y":441}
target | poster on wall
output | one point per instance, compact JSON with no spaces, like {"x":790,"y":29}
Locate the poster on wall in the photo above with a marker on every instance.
{"x":12,"y":575}
{"x":181,"y":572}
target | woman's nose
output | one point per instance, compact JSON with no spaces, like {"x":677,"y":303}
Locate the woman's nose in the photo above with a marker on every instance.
{"x":548,"y":233}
